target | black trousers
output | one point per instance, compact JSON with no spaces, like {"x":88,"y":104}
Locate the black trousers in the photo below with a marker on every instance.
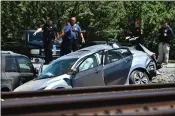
{"x":75,"y":44}
{"x":48,"y":44}
{"x":69,"y":45}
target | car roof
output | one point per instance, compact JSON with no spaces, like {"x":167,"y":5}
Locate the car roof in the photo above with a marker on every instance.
{"x":5,"y":54}
{"x":10,"y":53}
{"x":85,"y":51}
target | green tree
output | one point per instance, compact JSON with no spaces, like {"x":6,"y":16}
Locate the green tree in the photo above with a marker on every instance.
{"x":101,"y":20}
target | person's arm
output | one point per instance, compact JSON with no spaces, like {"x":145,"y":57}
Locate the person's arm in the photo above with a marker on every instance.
{"x":59,"y":36}
{"x":81,"y":34}
{"x":172,"y":33}
{"x":62,"y":34}
{"x":83,"y":40}
{"x":37,"y":31}
{"x":56,"y":31}
{"x":141,"y":32}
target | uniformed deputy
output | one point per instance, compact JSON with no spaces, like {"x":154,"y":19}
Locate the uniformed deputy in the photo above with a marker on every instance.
{"x":137,"y":32}
{"x":76,"y":32}
{"x":166,"y":35}
{"x":66,"y":44}
{"x":49,"y":33}
{"x":70,"y":36}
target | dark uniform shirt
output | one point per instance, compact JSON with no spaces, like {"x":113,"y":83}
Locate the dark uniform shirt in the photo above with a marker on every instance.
{"x":49,"y":31}
{"x":136,"y":32}
{"x":166,"y":35}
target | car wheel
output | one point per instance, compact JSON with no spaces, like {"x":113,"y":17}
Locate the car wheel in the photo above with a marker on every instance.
{"x":139,"y":77}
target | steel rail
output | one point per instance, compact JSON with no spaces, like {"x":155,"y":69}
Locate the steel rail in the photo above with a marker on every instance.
{"x":163,"y":108}
{"x":28,"y":94}
{"x":73,"y":102}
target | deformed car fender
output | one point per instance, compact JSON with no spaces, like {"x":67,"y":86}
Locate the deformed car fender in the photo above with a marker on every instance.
{"x":59,"y":84}
{"x":138,"y":66}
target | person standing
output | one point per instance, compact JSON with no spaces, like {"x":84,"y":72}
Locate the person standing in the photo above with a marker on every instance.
{"x":165,"y":36}
{"x":49,"y":33}
{"x":137,"y":32}
{"x":75,"y":33}
{"x":66,"y":45}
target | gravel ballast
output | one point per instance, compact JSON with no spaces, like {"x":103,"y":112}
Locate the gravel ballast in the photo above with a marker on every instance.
{"x":167,"y":74}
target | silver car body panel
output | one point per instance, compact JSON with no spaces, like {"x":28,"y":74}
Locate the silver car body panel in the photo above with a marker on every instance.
{"x":45,"y":84}
{"x":140,"y":60}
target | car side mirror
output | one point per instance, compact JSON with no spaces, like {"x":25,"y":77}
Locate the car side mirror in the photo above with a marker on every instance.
{"x":72,"y":72}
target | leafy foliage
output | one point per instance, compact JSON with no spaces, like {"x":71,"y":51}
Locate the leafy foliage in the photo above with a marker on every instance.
{"x":102,"y":20}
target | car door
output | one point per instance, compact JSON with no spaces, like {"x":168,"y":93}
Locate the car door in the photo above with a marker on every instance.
{"x":117,"y":64}
{"x":12,"y":78}
{"x":127,"y":63}
{"x":26,"y":69}
{"x":90,"y":71}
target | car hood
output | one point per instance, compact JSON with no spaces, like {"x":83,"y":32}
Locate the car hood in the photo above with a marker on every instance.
{"x":40,"y":84}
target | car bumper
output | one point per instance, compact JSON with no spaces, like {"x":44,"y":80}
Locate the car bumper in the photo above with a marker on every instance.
{"x":39,"y":53}
{"x":151,"y":69}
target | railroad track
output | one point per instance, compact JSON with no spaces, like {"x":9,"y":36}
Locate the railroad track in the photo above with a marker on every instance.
{"x":47,"y":93}
{"x":152,"y":101}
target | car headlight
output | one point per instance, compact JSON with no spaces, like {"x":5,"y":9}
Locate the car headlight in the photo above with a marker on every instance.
{"x":151,"y":66}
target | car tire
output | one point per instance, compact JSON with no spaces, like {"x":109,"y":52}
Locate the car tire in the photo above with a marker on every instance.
{"x":139,"y":77}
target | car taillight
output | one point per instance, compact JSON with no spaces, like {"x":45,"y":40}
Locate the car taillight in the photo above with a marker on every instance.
{"x":30,"y":52}
{"x":154,"y":55}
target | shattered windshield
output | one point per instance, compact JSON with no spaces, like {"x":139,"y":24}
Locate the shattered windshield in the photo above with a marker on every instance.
{"x":57,"y":68}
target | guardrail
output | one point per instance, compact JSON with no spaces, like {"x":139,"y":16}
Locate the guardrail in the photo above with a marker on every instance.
{"x":157,"y":99}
